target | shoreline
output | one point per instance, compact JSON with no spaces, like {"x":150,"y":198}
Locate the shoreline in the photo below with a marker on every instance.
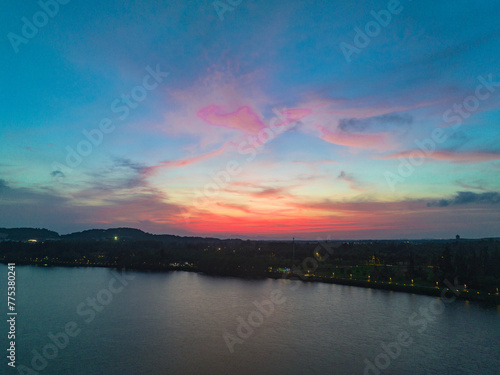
{"x":461,"y":294}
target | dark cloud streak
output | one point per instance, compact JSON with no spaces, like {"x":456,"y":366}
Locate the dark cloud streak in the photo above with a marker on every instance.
{"x":377,"y":123}
{"x":467,"y":197}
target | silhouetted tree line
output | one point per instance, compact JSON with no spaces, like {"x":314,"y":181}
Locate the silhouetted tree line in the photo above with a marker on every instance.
{"x":474,"y":262}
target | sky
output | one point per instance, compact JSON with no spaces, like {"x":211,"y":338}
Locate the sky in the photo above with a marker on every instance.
{"x":252,"y":119}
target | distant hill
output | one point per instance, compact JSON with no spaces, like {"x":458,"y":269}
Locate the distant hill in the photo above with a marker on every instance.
{"x":25,"y":234}
{"x":123,"y":234}
{"x":109,"y":234}
{"x":129,"y":234}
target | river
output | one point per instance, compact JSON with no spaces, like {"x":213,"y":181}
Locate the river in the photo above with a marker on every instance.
{"x":99,"y":321}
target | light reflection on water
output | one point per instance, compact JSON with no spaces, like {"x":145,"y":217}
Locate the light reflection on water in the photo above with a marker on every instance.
{"x":173,"y":323}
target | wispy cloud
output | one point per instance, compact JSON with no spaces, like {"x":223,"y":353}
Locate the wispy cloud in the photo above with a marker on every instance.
{"x":99,"y":203}
{"x":244,"y":118}
{"x":252,"y":190}
{"x":151,"y":170}
{"x":378,"y":141}
{"x":57,"y":174}
{"x":467,"y":197}
{"x":3,"y":184}
{"x":353,"y":182}
{"x":447,"y":155}
{"x":476,"y":185}
{"x":388,"y":121}
{"x":275,"y":193}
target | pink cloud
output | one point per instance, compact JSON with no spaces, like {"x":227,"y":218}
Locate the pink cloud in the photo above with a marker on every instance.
{"x":294,"y":114}
{"x":377,"y":141}
{"x":182,"y":162}
{"x":213,"y":107}
{"x":244,"y":118}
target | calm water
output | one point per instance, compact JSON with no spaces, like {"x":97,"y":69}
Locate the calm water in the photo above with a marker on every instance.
{"x":173,"y":323}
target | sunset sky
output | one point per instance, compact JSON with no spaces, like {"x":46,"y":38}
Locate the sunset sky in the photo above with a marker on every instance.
{"x":268,"y":119}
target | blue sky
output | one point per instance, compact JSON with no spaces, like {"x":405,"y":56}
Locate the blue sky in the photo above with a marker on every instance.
{"x":263,"y":127}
